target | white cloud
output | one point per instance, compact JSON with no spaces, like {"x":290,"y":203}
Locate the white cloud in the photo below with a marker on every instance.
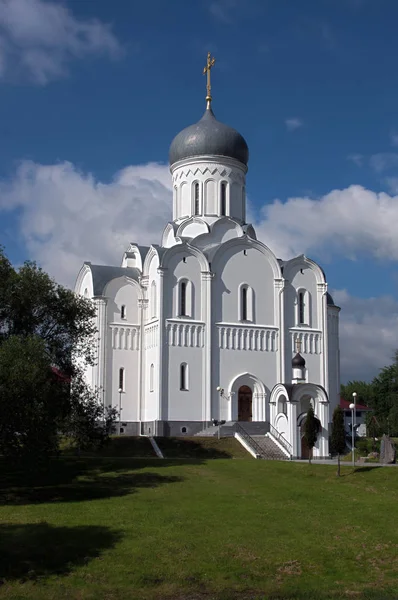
{"x":68,"y":217}
{"x":349,"y":222}
{"x":357,"y":159}
{"x":222,"y":10}
{"x":293,"y":123}
{"x":394,"y":139}
{"x":38,"y":39}
{"x":368,"y":334}
{"x":384,"y":161}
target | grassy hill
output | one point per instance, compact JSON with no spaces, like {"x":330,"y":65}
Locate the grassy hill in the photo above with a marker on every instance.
{"x":198,"y":530}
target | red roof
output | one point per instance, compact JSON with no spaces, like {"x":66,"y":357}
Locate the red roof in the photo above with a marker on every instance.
{"x":345,"y":405}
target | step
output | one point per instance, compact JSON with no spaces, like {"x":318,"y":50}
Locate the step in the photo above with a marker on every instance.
{"x":269,"y":450}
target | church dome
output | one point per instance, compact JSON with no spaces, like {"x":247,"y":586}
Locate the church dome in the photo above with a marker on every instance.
{"x":298,"y":362}
{"x":209,"y":136}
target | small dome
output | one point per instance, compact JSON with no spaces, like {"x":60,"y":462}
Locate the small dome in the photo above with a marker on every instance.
{"x":329,"y":299}
{"x":298,"y":362}
{"x":208,"y":136}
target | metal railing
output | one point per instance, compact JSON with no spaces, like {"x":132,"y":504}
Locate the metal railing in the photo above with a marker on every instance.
{"x":249,"y":440}
{"x":281,"y":439}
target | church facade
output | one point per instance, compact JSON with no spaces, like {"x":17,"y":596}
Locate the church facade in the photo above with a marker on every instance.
{"x":210,"y":324}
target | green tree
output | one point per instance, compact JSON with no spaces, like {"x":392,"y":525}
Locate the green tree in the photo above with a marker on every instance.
{"x":363,"y":389}
{"x":44,"y":329}
{"x":311,"y":430}
{"x":338,"y":442}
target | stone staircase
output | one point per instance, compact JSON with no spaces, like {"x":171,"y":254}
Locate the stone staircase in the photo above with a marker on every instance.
{"x":254,"y":435}
{"x":269,"y":450}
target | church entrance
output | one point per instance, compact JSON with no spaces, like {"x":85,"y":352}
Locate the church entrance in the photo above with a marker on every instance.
{"x":245,"y":403}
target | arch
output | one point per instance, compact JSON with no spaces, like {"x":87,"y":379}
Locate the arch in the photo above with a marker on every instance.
{"x":301,"y":261}
{"x":151,"y":377}
{"x":259,"y":396}
{"x":85,"y":270}
{"x":192,"y":227}
{"x":169,"y":235}
{"x":309,"y":389}
{"x":246,"y":242}
{"x":186,"y":249}
{"x":184,"y":377}
{"x":282,"y":424}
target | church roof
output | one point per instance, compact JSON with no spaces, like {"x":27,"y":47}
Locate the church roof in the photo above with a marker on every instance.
{"x":209,"y":137}
{"x":103,"y":274}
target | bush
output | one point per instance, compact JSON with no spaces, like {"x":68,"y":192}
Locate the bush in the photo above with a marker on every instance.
{"x":366,"y":445}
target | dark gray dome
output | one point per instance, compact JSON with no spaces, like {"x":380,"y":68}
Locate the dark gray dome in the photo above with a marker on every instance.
{"x":298,"y":362}
{"x":329,"y":299}
{"x":208,"y":136}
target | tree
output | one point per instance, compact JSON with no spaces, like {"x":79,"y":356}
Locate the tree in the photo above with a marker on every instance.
{"x":338,"y":435}
{"x":363,"y":389}
{"x":45,"y":329}
{"x":311,"y":430}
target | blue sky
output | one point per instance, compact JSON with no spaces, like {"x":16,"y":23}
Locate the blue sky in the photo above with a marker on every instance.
{"x":92,"y":94}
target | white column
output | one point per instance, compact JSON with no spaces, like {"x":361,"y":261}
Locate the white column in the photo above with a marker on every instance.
{"x":280,"y":323}
{"x":163,"y":379}
{"x":207,"y":277}
{"x":323,"y":326}
{"x":100,"y":371}
{"x":294,"y":437}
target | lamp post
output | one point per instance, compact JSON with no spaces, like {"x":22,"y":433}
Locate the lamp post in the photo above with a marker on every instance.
{"x":222,"y":393}
{"x":353,"y":419}
{"x":120,"y":407}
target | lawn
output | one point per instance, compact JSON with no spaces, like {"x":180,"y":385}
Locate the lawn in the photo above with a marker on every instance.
{"x":194,"y":529}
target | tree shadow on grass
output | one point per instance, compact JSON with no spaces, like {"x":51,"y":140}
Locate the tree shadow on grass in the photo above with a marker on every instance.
{"x":203,"y":449}
{"x":366,"y":469}
{"x":75,"y":481}
{"x":35,"y":550}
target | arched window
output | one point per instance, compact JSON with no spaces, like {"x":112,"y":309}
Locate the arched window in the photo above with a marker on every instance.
{"x":121,"y":379}
{"x":151,"y":377}
{"x":123,"y":311}
{"x":282,"y":405}
{"x":223,"y":199}
{"x":246,"y":303}
{"x":184,"y":376}
{"x":153,"y":299}
{"x":183,"y":299}
{"x":196,"y":199}
{"x":303,"y":307}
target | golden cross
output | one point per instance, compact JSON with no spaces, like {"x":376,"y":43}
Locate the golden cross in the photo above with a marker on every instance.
{"x":207,"y":68}
{"x":298,"y":345}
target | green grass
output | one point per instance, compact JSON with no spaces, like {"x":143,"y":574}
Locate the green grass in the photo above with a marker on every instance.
{"x":198,"y":530}
{"x":201,"y":447}
{"x":117,"y":446}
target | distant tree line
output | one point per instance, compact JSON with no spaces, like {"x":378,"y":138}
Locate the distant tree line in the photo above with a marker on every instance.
{"x":46,"y":341}
{"x":381,"y":395}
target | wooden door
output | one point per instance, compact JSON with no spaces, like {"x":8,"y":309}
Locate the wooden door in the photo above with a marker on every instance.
{"x":245,"y":402}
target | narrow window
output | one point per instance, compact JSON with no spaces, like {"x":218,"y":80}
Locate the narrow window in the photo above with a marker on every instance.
{"x":184,"y":376}
{"x":244,"y":304}
{"x":183,"y":298}
{"x":223,"y":198}
{"x":151,"y":378}
{"x":123,"y":312}
{"x":153,"y":300}
{"x":196,"y":199}
{"x":301,"y":308}
{"x":121,"y":379}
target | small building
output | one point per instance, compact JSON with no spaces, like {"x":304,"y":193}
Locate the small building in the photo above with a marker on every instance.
{"x":360,"y":417}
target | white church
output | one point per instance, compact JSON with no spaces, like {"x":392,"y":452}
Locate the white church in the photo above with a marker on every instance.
{"x":210,"y":324}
